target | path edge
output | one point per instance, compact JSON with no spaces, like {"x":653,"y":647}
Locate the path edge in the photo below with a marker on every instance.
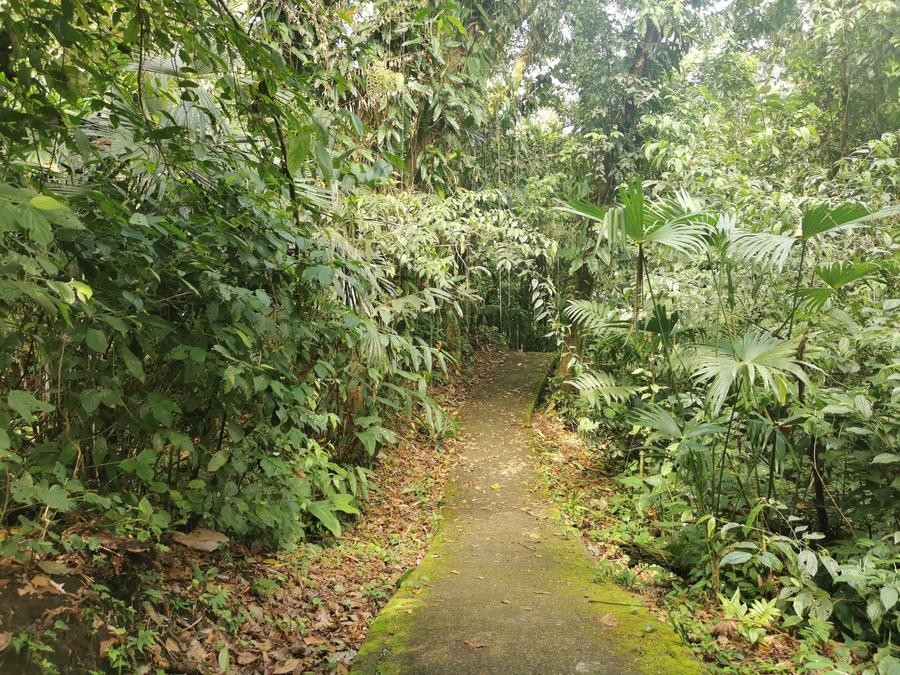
{"x":389,"y":633}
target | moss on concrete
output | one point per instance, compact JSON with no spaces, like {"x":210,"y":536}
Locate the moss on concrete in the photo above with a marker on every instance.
{"x":390,"y":633}
{"x":628,"y":621}
{"x":435,"y":620}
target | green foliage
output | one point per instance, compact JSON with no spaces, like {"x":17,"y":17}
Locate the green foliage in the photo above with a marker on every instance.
{"x":210,"y":316}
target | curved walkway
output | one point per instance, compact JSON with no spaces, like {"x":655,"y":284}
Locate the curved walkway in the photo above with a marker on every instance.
{"x":502,"y":589}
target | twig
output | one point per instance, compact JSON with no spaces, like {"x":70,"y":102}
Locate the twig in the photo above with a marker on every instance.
{"x":613,"y":602}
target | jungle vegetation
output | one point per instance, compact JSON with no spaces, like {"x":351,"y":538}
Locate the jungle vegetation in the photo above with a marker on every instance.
{"x":239,"y":240}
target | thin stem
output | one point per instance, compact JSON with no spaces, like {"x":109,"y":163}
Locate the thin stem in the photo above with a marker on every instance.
{"x":796,"y":299}
{"x":724,"y":454}
{"x":662,"y":331}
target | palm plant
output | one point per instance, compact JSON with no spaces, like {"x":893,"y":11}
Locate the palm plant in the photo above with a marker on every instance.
{"x":774,"y":250}
{"x":749,"y":359}
{"x":595,"y":386}
{"x":686,"y":438}
{"x":754,"y":358}
{"x":679,"y":224}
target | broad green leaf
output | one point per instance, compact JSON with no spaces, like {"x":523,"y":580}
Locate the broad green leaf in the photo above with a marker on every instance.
{"x":83,"y":291}
{"x":323,"y":512}
{"x":45,"y":203}
{"x":63,"y":290}
{"x":25,"y":404}
{"x":90,"y":400}
{"x":808,"y":562}
{"x":132,"y":363}
{"x":736,"y":558}
{"x":298,"y":151}
{"x":217,"y":461}
{"x":324,"y":161}
{"x":57,"y":498}
{"x":95,"y":340}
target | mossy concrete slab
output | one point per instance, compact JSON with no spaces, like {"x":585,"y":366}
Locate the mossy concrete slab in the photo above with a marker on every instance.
{"x":502,"y":589}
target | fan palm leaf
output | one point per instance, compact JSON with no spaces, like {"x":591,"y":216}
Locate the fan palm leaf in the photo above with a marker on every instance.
{"x":664,"y":424}
{"x":745,"y":361}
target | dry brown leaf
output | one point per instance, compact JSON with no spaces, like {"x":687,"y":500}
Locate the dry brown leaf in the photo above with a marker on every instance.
{"x":202,"y":539}
{"x":246,"y":658}
{"x":474,"y":644}
{"x":44,"y":584}
{"x":728,"y":628}
{"x":5,"y":639}
{"x":609,"y":620}
{"x":288,"y":666}
{"x":106,"y":645}
{"x":53,"y":567}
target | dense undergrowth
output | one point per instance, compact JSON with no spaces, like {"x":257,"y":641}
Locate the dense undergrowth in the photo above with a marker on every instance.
{"x":212,"y":316}
{"x":240,"y":240}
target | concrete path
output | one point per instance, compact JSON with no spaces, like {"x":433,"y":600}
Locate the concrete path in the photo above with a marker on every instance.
{"x":502,"y":589}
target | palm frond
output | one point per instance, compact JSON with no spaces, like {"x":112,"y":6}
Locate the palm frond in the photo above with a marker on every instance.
{"x":840,"y":274}
{"x":761,"y":248}
{"x":814,"y":299}
{"x":823,"y":218}
{"x":580,"y":208}
{"x":684,"y":235}
{"x":594,"y":386}
{"x":590,"y":314}
{"x":751,"y":358}
{"x":632,"y":198}
{"x":654,"y":417}
{"x":666,"y":425}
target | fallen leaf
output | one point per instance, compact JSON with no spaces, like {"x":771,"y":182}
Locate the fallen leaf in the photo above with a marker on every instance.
{"x":5,"y":639}
{"x":52,"y":567}
{"x":496,"y":486}
{"x":609,"y":620}
{"x":287,"y":667}
{"x":202,"y":540}
{"x":475,"y":645}
{"x":45,"y":584}
{"x":106,"y":645}
{"x":246,"y":658}
{"x":313,"y":640}
{"x":454,"y":571}
{"x":728,"y":628}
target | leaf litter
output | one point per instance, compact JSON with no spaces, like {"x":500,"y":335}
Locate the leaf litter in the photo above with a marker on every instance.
{"x":214,"y":606}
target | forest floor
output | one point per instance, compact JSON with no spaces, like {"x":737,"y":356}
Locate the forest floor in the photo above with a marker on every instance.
{"x":237,"y":609}
{"x":506,"y":585}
